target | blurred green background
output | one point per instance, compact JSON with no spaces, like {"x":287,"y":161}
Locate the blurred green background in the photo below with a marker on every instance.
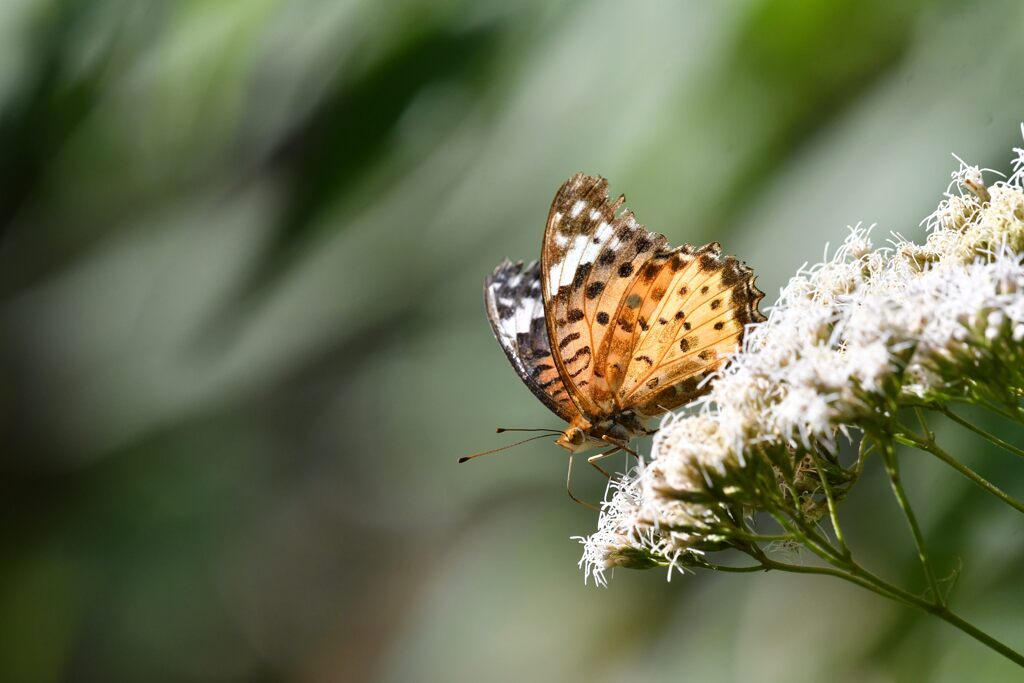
{"x":243,"y":341}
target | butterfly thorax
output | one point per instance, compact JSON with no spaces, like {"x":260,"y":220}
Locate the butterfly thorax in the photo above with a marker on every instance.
{"x":583,"y":435}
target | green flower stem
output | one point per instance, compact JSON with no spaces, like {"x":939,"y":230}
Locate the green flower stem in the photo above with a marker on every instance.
{"x":972,"y":401}
{"x":737,"y":534}
{"x":1015,"y":416}
{"x":866,"y":445}
{"x":847,"y":569}
{"x":833,"y":514}
{"x":992,"y":438}
{"x":838,"y":573}
{"x":809,"y":538}
{"x":885,"y":589}
{"x":908,"y":438}
{"x":734,"y":570}
{"x":981,"y":636}
{"x":923,"y":421}
{"x":893,"y":470}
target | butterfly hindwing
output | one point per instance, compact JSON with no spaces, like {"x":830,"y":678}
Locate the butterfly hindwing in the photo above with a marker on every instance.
{"x":515,"y":310}
{"x":694,"y":315}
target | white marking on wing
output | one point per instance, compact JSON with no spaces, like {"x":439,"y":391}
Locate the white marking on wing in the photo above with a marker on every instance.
{"x":577,"y":208}
{"x":524,"y":314}
{"x":552,"y":276}
{"x":604,"y":231}
{"x":573,"y":258}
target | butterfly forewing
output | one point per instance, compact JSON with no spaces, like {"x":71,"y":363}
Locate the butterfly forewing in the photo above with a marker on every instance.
{"x":635,"y":324}
{"x":515,"y":309}
{"x":590,"y":255}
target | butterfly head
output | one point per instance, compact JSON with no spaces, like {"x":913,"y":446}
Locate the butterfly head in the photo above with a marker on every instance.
{"x":573,"y":439}
{"x":576,"y":437}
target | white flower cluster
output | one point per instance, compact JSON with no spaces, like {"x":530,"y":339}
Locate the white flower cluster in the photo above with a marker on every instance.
{"x":848,"y":342}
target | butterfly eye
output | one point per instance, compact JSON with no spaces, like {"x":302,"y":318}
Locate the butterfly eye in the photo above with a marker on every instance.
{"x":577,"y":437}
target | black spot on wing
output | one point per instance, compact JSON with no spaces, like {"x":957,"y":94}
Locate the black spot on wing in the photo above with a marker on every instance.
{"x":583,"y":351}
{"x":568,"y":339}
{"x":581,"y":275}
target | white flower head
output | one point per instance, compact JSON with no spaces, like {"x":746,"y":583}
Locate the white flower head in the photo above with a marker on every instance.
{"x":847,"y":342}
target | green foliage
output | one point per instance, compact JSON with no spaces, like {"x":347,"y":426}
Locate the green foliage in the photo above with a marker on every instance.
{"x":243,"y":344}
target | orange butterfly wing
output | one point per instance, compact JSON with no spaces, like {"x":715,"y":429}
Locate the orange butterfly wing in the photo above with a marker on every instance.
{"x":623,"y":308}
{"x":692,"y":317}
{"x":588,"y":260}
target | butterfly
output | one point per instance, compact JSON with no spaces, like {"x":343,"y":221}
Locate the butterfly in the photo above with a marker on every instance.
{"x":613,"y":327}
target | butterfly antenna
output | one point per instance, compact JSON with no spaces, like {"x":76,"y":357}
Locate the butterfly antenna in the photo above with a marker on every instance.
{"x":503,"y":448}
{"x":501,"y":430}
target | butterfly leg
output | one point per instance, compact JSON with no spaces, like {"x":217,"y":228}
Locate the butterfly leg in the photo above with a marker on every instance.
{"x":621,"y":444}
{"x":568,"y":488}
{"x":592,"y":460}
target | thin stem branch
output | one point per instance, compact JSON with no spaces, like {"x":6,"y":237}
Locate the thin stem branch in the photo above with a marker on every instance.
{"x":892,"y":594}
{"x":992,"y":438}
{"x":734,"y":570}
{"x":910,"y":439}
{"x":988,"y":405}
{"x":736,"y":533}
{"x":979,"y":635}
{"x":887,"y":590}
{"x":892,"y":469}
{"x":866,"y":445}
{"x":810,"y":539}
{"x":1013,"y":417}
{"x":928,"y":433}
{"x":833,"y":514}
